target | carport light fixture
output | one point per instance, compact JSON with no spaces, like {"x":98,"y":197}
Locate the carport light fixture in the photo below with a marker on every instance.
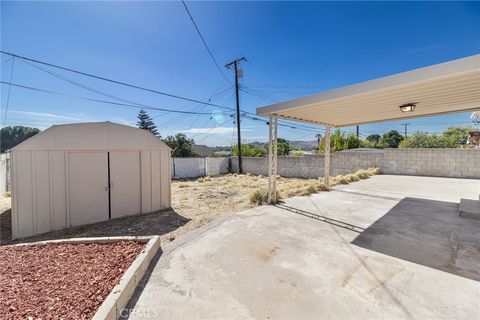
{"x":408,"y":107}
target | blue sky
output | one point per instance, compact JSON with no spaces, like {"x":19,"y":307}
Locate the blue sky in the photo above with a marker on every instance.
{"x":293,"y":49}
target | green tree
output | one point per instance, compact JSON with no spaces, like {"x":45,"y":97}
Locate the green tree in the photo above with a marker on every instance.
{"x":181,"y":145}
{"x":342,"y":141}
{"x":283,"y":147}
{"x":146,"y":122}
{"x":425,"y":140}
{"x":374,"y":138}
{"x":391,"y":139}
{"x":457,"y":135}
{"x":250,"y":151}
{"x":11,"y":136}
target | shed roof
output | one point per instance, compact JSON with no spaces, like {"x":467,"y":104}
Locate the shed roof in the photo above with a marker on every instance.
{"x":443,"y":88}
{"x":93,"y":136}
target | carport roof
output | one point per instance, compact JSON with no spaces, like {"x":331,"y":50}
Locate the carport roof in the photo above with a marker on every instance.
{"x":443,"y":88}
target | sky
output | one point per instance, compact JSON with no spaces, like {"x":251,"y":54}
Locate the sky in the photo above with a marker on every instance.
{"x":292,"y":49}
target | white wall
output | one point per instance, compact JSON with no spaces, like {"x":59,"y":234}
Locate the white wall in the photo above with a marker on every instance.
{"x":185,"y":168}
{"x":3,"y":173}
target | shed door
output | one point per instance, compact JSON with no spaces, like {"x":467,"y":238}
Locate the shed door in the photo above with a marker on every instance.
{"x":125,"y":183}
{"x":88,"y":191}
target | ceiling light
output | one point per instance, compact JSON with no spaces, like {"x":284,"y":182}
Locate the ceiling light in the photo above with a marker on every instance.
{"x":408,"y":107}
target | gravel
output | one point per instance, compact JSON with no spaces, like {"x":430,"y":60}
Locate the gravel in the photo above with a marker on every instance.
{"x":61,"y":281}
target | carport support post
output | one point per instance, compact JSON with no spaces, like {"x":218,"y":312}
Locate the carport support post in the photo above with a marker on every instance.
{"x":327,"y":156}
{"x":272,"y":159}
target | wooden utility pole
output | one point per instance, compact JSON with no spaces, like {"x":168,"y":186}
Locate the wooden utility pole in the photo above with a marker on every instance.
{"x":239,"y":137}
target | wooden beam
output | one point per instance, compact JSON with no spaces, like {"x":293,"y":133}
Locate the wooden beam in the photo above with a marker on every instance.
{"x":272,"y":159}
{"x":327,"y":157}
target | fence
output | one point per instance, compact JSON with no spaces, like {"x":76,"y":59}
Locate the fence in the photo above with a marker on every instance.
{"x":4,"y":173}
{"x":454,"y":163}
{"x":183,"y":168}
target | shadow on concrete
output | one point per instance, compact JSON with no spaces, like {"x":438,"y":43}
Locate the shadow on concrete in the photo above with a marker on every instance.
{"x":427,"y":232}
{"x":155,"y":223}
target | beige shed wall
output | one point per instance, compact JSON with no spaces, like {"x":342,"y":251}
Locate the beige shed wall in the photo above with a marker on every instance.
{"x":60,"y":176}
{"x":43,"y":193}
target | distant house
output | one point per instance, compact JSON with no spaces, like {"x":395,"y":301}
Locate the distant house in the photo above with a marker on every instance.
{"x":202,"y":150}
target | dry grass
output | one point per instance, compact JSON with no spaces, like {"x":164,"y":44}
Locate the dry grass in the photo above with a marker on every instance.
{"x":205,"y":199}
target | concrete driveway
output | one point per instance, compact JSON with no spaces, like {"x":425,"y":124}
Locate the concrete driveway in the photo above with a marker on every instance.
{"x":398,"y":251}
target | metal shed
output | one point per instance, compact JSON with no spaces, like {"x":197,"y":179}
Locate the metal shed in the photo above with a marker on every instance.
{"x":77,"y":174}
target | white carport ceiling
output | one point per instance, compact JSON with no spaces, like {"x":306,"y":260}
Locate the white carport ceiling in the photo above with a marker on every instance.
{"x":444,"y":88}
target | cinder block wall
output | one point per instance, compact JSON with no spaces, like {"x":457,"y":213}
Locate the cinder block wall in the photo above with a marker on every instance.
{"x":312,"y":166}
{"x":455,"y":163}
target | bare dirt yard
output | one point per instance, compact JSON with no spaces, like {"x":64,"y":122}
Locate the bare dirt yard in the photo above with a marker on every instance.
{"x":64,"y":281}
{"x":194,"y":204}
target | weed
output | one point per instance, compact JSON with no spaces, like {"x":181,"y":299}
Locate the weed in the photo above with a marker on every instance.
{"x":374,"y":171}
{"x":362,"y":174}
{"x":260,"y":196}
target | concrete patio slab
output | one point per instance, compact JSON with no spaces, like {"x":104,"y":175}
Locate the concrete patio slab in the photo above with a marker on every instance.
{"x":413,"y":258}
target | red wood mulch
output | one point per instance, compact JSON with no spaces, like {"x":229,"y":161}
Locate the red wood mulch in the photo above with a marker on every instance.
{"x":54,"y":281}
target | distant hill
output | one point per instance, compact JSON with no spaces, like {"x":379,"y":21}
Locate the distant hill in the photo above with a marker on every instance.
{"x":304,"y":145}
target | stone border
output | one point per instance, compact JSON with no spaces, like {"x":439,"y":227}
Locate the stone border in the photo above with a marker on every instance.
{"x":120,"y":295}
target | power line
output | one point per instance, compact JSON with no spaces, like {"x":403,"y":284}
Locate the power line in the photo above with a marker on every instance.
{"x":167,"y":124}
{"x":101,"y":101}
{"x":204,"y":42}
{"x":112,"y":80}
{"x":8,"y":94}
{"x":76,"y":83}
{"x":118,"y":82}
{"x":282,"y":124}
{"x":263,"y":94}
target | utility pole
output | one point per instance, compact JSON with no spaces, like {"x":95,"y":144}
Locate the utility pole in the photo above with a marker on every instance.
{"x":358,"y":131}
{"x":239,"y":138}
{"x":405,"y":125}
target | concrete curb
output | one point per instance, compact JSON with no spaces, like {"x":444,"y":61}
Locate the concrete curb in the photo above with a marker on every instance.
{"x":143,"y":239}
{"x":117,"y":300}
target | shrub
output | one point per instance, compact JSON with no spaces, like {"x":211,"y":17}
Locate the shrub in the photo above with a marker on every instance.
{"x":352,"y":178}
{"x":362,"y":174}
{"x":320,"y":186}
{"x":312,"y":189}
{"x":260,"y":196}
{"x":342,"y":179}
{"x":425,"y":140}
{"x":374,"y":171}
